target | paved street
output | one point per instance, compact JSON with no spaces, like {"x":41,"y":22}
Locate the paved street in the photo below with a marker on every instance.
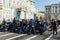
{"x":29,"y":16}
{"x":56,"y":37}
{"x":15,"y":36}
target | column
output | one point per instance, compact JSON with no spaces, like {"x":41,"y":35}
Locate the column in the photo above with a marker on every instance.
{"x":22,"y":15}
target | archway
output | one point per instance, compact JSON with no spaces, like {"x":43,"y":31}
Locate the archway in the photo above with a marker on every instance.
{"x":18,"y":12}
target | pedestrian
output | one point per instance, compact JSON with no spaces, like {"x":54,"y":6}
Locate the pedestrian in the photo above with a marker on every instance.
{"x":24,"y":23}
{"x":21,"y":30}
{"x":40,"y":26}
{"x":44,"y":25}
{"x":36,"y":24}
{"x":14,"y":25}
{"x":54,"y":27}
{"x":28,"y":27}
{"x":3,"y":22}
{"x":3,"y":25}
{"x":32,"y":26}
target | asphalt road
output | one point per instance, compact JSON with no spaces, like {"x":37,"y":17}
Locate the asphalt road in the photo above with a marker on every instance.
{"x":15,"y":36}
{"x":56,"y":37}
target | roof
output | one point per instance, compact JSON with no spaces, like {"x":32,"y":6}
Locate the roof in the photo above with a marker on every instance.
{"x":52,"y":4}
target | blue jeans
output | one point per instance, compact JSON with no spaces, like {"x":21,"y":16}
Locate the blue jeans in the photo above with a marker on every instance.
{"x":32,"y":30}
{"x":21,"y":29}
{"x":44,"y":28}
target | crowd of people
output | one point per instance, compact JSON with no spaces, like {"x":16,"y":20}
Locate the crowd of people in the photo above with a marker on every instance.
{"x":29,"y":26}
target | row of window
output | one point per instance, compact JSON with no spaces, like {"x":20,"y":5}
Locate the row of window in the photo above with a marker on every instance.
{"x":56,"y":9}
{"x":48,"y":10}
{"x":10,"y":3}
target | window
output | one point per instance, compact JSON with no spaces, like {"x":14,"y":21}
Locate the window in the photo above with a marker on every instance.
{"x":55,"y":9}
{"x":59,"y":9}
{"x":46,"y":10}
{"x":6,"y":3}
{"x":9,"y":3}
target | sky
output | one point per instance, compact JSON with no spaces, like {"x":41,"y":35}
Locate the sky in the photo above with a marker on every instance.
{"x":40,"y":4}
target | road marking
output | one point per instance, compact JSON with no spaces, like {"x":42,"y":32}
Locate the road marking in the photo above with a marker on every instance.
{"x":51,"y":35}
{"x":31,"y":37}
{"x":16,"y":36}
{"x":6,"y":34}
{"x":1,"y":32}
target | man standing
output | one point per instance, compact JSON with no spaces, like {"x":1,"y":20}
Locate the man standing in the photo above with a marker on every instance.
{"x":54,"y":28}
{"x":32,"y":26}
{"x":40,"y":25}
{"x":14,"y":25}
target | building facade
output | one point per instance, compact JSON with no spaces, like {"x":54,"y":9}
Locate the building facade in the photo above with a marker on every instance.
{"x":40,"y":14}
{"x":27,"y":9}
{"x":20,"y":9}
{"x":52,"y":11}
{"x":1,"y":10}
